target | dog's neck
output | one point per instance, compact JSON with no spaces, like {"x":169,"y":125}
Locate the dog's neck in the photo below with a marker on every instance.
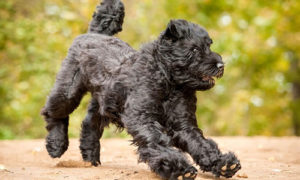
{"x":162,"y":64}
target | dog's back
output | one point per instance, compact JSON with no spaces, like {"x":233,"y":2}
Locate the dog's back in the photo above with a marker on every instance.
{"x":105,"y":54}
{"x":98,"y":47}
{"x":100,"y":60}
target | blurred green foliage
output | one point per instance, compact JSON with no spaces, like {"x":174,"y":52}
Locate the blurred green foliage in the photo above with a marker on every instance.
{"x":259,"y":41}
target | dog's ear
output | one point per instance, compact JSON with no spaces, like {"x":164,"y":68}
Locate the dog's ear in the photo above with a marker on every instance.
{"x":173,"y":31}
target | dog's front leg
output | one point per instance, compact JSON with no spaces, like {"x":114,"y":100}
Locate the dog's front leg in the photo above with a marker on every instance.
{"x":182,"y":127}
{"x":142,"y":117}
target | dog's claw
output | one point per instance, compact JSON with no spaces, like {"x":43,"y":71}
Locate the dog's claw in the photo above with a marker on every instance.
{"x":191,"y":175}
{"x":187,"y":175}
{"x":96,"y":163}
{"x":228,"y":166}
{"x":224,"y":168}
{"x":231,"y":170}
{"x":194,"y":175}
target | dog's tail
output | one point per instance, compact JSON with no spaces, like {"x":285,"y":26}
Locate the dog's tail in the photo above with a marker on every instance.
{"x":108,"y":18}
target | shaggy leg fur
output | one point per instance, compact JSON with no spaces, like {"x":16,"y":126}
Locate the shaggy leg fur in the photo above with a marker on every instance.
{"x":63,"y":99}
{"x":92,"y":130}
{"x":57,"y":139}
{"x":154,"y":146}
{"x":167,"y":162}
{"x":107,"y":19}
{"x":156,"y":150}
{"x":186,"y":136}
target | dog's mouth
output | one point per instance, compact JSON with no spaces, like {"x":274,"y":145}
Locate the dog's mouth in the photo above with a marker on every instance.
{"x":211,"y":78}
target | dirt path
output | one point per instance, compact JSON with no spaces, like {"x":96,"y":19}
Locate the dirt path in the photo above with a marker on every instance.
{"x":262,"y":158}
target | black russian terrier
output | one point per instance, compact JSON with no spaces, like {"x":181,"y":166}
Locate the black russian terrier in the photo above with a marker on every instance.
{"x":151,"y":93}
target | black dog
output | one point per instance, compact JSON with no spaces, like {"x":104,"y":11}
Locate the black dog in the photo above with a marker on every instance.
{"x":150,"y":92}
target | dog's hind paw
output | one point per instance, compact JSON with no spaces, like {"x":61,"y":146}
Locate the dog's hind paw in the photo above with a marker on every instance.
{"x":90,"y":151}
{"x":227,"y":166}
{"x":56,"y":147}
{"x":57,"y":142}
{"x":94,"y":160}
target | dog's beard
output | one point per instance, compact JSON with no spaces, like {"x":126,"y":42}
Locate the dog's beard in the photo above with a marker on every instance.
{"x":207,"y":81}
{"x":211,"y":78}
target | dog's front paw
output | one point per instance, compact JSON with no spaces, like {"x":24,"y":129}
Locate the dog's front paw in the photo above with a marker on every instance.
{"x":57,"y":142}
{"x":227,"y":166}
{"x":190,"y":174}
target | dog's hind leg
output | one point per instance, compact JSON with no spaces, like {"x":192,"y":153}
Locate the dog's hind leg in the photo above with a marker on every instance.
{"x":91,"y":131}
{"x":63,"y":99}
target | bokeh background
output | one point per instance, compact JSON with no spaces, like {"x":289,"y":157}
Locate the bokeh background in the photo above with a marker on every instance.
{"x":259,"y":41}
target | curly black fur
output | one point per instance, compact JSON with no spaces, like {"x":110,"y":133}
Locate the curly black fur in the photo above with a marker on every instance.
{"x":150,"y":92}
{"x":108,"y":18}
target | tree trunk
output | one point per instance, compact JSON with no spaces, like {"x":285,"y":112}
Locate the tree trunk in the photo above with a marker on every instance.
{"x":295,"y":70}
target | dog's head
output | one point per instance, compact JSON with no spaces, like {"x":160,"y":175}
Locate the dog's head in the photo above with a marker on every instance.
{"x":185,"y":49}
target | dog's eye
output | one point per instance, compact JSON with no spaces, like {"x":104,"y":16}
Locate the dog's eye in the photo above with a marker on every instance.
{"x":195,"y":50}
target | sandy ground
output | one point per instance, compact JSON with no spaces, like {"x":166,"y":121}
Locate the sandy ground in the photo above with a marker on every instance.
{"x":261,"y":158}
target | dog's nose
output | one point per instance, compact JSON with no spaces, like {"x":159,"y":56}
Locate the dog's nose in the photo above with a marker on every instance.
{"x":220,"y":65}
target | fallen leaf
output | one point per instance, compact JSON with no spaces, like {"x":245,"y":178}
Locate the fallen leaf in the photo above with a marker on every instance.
{"x":243,"y":175}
